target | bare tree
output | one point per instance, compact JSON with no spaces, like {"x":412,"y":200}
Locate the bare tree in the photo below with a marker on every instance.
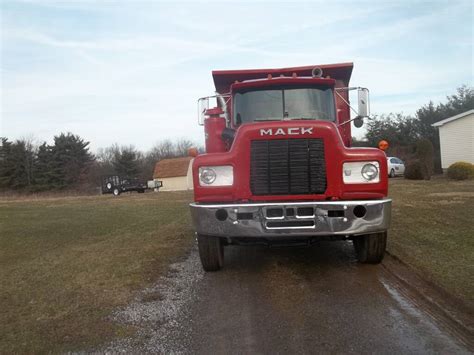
{"x":118,"y":159}
{"x":106,"y":155}
{"x":164,"y":149}
{"x":182,"y":146}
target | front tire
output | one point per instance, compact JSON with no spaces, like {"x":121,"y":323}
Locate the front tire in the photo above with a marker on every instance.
{"x":392,"y":173}
{"x":211,"y":252}
{"x":370,"y":248}
{"x":116,"y":192}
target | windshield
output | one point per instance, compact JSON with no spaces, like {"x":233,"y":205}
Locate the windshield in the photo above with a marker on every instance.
{"x":284,"y":103}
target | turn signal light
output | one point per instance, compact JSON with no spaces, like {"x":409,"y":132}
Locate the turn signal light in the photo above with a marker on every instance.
{"x":383,"y":145}
{"x":193,"y":152}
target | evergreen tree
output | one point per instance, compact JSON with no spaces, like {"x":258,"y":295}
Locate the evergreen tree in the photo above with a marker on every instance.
{"x":7,"y":164}
{"x":43,"y":168}
{"x":397,"y":129}
{"x":17,"y":159}
{"x":126,"y":161}
{"x":70,"y":157}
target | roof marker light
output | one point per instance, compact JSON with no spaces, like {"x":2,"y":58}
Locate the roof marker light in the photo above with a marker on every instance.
{"x":317,"y":72}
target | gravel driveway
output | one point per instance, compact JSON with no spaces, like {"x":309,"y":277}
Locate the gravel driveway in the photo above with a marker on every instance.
{"x":288,"y":300}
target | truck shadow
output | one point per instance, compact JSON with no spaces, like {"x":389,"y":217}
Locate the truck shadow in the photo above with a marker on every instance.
{"x":325,"y":255}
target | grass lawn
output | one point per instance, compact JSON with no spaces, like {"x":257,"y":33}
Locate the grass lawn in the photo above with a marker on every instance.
{"x":433,"y":231}
{"x":65,"y":263}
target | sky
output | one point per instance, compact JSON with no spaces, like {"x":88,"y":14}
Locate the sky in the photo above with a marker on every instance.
{"x":130,"y":72}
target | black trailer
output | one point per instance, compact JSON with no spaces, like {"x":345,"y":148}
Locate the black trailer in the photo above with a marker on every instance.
{"x":114,"y":184}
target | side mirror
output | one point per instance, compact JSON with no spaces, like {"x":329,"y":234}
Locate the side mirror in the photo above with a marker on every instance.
{"x":358,"y":122}
{"x":363,"y":103}
{"x":203,"y":106}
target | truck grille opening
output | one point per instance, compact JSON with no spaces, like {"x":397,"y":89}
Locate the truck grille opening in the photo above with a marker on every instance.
{"x":275,"y":213}
{"x":290,"y":224}
{"x":287,"y":167}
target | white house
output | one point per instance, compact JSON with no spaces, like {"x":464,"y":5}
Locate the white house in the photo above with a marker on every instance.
{"x":174,"y":174}
{"x":456,"y":136}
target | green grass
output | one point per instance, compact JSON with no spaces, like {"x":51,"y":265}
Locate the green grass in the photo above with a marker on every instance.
{"x":66,"y":263}
{"x":433,"y":231}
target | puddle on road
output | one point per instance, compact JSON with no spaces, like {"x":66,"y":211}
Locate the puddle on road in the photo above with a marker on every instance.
{"x":431,"y":335}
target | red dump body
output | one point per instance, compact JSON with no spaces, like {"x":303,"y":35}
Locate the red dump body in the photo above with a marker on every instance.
{"x":336,"y":138}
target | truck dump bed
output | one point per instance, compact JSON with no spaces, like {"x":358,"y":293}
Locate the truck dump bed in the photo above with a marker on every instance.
{"x":223,"y":79}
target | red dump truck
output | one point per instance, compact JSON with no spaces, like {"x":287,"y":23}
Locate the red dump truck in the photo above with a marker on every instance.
{"x":279,"y":167}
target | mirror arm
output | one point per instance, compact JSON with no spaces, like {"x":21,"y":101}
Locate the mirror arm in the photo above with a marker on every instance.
{"x":223,"y":103}
{"x":348,"y":104}
{"x":349,"y":88}
{"x":352,"y":119}
{"x":219,"y":97}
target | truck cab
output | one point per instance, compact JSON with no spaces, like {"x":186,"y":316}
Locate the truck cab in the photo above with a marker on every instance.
{"x":279,"y":167}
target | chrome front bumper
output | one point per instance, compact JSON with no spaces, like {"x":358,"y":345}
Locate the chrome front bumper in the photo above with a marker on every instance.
{"x":317,"y":218}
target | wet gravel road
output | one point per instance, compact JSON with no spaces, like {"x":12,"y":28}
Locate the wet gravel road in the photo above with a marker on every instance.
{"x":285,"y":300}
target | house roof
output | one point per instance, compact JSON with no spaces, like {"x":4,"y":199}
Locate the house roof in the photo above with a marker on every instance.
{"x":172,"y":167}
{"x":450,"y":119}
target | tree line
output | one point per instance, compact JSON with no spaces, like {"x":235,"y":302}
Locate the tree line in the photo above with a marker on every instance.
{"x":405,"y":133}
{"x":67,"y":163}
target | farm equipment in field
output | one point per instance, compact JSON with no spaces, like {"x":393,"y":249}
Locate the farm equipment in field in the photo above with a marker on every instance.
{"x":114,"y":184}
{"x":279,"y":167}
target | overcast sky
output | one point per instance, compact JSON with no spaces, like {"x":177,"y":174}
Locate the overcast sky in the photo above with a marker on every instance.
{"x":131,"y":71}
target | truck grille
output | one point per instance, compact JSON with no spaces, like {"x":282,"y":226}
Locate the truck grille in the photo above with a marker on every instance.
{"x":287,"y":166}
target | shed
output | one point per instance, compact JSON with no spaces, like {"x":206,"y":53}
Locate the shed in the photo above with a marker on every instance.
{"x":174,"y":174}
{"x":456,"y":136}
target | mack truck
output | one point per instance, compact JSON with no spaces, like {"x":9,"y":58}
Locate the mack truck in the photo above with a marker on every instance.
{"x":279,"y":168}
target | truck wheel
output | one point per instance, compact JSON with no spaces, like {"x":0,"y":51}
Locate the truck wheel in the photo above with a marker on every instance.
{"x":370,"y":248}
{"x":392,"y":173}
{"x":109,"y":186}
{"x":211,"y":252}
{"x":116,"y":192}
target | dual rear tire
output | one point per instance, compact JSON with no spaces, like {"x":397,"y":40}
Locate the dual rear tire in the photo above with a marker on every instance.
{"x":370,"y":248}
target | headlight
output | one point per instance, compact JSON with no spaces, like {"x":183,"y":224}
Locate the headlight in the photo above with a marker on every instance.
{"x":369,"y":172}
{"x":207,"y":176}
{"x":216,"y":175}
{"x":363,"y":172}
